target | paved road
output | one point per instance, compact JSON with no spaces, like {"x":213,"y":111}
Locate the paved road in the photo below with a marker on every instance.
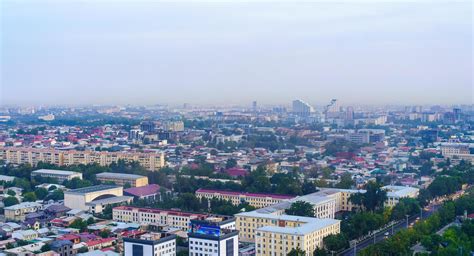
{"x":379,"y":236}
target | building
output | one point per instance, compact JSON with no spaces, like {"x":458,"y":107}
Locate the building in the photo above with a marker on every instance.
{"x":149,"y":192}
{"x":257,"y":200}
{"x":6,"y":178}
{"x":59,"y":175}
{"x":173,"y":126}
{"x":121,"y":179}
{"x":395,"y":193}
{"x":302,"y":108}
{"x":365,"y":136}
{"x":15,"y":155}
{"x":212,"y":239}
{"x":19,"y":211}
{"x":63,"y":247}
{"x":460,"y":151}
{"x":150,"y":245}
{"x":78,"y":198}
{"x":278,"y":234}
{"x":166,"y":218}
{"x":97,"y":206}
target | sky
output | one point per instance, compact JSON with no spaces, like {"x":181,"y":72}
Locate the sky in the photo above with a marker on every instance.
{"x":235,"y":52}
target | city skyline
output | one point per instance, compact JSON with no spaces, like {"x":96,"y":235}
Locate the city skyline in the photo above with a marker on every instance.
{"x":408,"y":53}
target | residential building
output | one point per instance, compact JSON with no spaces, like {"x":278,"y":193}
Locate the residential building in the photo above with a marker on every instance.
{"x":16,"y":155}
{"x":257,"y":200}
{"x":19,"y":211}
{"x":121,"y":179}
{"x":59,"y":175}
{"x":63,"y":247}
{"x":302,"y":108}
{"x":157,"y":245}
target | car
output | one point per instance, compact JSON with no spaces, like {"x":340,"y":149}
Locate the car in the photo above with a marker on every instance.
{"x":386,"y":234}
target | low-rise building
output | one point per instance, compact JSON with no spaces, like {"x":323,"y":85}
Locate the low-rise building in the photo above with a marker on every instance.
{"x":121,"y":179}
{"x":258,"y":200}
{"x":78,"y":198}
{"x":149,"y":192}
{"x":19,"y":211}
{"x":395,"y":193}
{"x":59,"y":175}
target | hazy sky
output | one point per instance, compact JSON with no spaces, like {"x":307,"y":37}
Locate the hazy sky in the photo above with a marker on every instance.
{"x":147,"y":52}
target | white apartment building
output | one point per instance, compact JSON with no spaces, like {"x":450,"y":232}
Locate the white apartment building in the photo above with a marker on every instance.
{"x":162,"y":245}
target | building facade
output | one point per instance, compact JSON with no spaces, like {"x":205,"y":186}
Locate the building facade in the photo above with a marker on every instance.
{"x":212,"y":239}
{"x":158,"y":246}
{"x":14,"y":155}
{"x":257,"y":200}
{"x":19,"y":211}
{"x":121,"y":179}
{"x":78,"y":198}
{"x":59,"y":175}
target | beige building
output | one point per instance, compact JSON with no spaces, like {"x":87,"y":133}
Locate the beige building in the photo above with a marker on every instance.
{"x":156,"y":217}
{"x":79,"y":198}
{"x":257,"y":200}
{"x":278,"y":234}
{"x":395,"y":193}
{"x":19,"y":211}
{"x":121,"y":179}
{"x":14,"y":155}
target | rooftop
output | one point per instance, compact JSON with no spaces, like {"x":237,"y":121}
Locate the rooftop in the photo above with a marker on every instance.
{"x":57,"y":172}
{"x":118,"y":175}
{"x":225,"y":192}
{"x":92,"y":189}
{"x":143,"y":190}
{"x":111,"y":200}
{"x":22,"y":206}
{"x":150,"y":210}
{"x":308,"y":227}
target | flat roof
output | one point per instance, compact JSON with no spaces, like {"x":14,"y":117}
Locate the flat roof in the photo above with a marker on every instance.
{"x":225,"y":192}
{"x":115,"y":175}
{"x":400,"y":191}
{"x":156,"y":210}
{"x":56,"y":172}
{"x":91,"y":189}
{"x":309,"y":227}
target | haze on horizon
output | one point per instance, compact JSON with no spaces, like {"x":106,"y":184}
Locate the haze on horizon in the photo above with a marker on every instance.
{"x":147,"y":52}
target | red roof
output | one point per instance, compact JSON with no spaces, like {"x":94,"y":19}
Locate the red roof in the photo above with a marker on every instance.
{"x":143,"y":190}
{"x":100,"y":241}
{"x":225,"y":192}
{"x":236,"y":172}
{"x":155,"y":210}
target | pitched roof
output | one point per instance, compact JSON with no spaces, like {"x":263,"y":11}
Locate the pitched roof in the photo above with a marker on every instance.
{"x":143,"y":190}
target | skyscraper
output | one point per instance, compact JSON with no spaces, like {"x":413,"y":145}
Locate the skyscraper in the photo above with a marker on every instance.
{"x":302,"y":108}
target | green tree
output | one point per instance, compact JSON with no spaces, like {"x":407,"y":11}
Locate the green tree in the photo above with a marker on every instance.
{"x":10,"y":200}
{"x":335,"y":242}
{"x":296,"y":252}
{"x":372,"y":199}
{"x":320,"y":252}
{"x":45,"y":248}
{"x":41,"y":193}
{"x":231,"y":162}
{"x":346,"y":181}
{"x":29,"y":197}
{"x":301,"y":208}
{"x":11,"y":192}
{"x":79,"y":224}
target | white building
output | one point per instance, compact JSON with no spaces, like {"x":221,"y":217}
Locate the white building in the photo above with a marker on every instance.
{"x":302,"y":108}
{"x":395,"y":193}
{"x":163,"y":245}
{"x":78,"y":198}
{"x":59,"y":175}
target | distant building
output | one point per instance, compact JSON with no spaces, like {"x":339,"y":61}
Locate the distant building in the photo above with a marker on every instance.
{"x":149,"y":192}
{"x":173,"y":126}
{"x":302,"y":108}
{"x":209,"y":238}
{"x":121,"y":179}
{"x":257,"y":200}
{"x":7,"y":178}
{"x":147,"y":126}
{"x":461,"y":151}
{"x":164,"y":245}
{"x":63,"y":247}
{"x":32,"y":156}
{"x":59,"y":175}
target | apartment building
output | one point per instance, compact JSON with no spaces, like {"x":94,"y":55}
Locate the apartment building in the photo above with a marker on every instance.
{"x":121,"y":179}
{"x":19,"y":211}
{"x":460,"y":151}
{"x":156,"y":217}
{"x":151,"y":244}
{"x":395,"y":193}
{"x":278,"y":234}
{"x":257,"y":200}
{"x":14,"y":155}
{"x":59,"y":175}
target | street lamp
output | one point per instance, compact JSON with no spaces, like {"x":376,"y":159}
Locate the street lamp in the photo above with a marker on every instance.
{"x":407,"y":219}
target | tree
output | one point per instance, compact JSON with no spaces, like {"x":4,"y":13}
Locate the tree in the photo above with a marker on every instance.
{"x":300,"y":208}
{"x":406,"y":206}
{"x":41,"y":193}
{"x":9,"y":201}
{"x":320,"y":252}
{"x":296,"y":252}
{"x":231,"y":163}
{"x":335,"y":242}
{"x":29,"y":197}
{"x":90,"y":221}
{"x":127,"y":185}
{"x":45,"y":248}
{"x":83,"y":249}
{"x":57,"y":195}
{"x":79,"y":224}
{"x":11,"y":192}
{"x":346,"y":181}
{"x":372,"y":199}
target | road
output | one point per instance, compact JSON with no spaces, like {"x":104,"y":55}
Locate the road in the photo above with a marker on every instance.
{"x":379,"y":236}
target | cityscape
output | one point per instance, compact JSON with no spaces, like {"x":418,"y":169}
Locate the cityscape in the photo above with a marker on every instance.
{"x":169,"y":129}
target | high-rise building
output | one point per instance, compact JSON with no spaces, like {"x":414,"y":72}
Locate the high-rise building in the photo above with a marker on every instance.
{"x":302,"y":108}
{"x":254,"y":106}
